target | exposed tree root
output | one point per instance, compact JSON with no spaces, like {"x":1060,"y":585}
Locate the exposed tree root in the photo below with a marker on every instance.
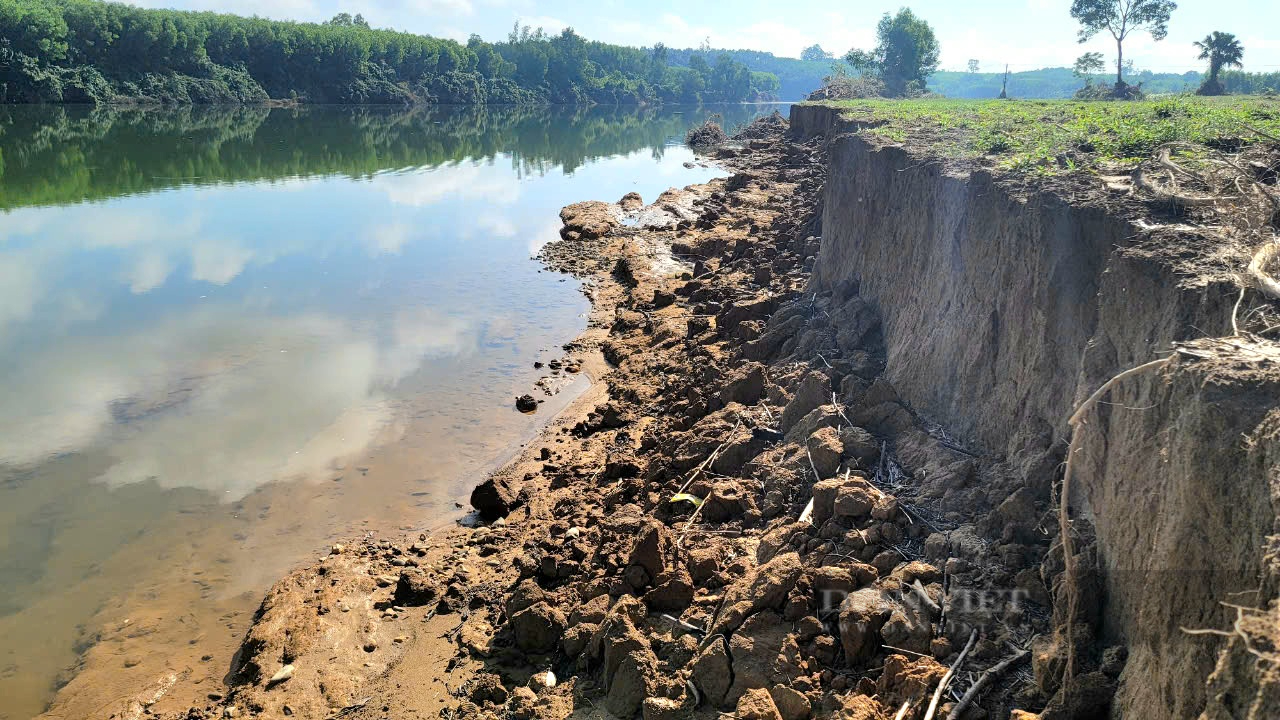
{"x":1257,"y":270}
{"x":1064,"y":517}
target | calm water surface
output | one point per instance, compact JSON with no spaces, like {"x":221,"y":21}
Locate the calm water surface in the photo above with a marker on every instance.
{"x":228,"y":336}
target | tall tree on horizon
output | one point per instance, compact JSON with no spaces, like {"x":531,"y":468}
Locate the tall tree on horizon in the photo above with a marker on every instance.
{"x":1087,"y":65}
{"x":1221,"y":50}
{"x":1121,"y":18}
{"x":905,"y":55}
{"x":815,"y":53}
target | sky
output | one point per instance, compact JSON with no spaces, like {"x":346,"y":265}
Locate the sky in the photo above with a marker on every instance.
{"x":1025,"y":34}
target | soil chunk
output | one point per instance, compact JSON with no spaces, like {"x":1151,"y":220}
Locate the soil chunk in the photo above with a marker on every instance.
{"x":538,"y":628}
{"x":757,"y":705}
{"x":495,"y":498}
{"x":588,"y":220}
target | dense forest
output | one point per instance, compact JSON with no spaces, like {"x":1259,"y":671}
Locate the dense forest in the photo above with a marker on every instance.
{"x":99,"y":52}
{"x":796,"y":78}
{"x":59,"y":154}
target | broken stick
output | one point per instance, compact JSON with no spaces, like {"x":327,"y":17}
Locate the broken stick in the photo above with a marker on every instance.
{"x":987,"y":677}
{"x":951,"y":673}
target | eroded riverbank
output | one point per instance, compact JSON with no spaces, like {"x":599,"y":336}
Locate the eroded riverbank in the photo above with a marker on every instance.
{"x":680,"y":492}
{"x":773,"y":504}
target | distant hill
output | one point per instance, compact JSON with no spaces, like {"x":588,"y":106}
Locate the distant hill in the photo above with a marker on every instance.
{"x":1049,"y":83}
{"x":798,"y":78}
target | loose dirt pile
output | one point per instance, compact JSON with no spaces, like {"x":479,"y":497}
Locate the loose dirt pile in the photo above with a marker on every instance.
{"x":744,"y":517}
{"x":707,"y":135}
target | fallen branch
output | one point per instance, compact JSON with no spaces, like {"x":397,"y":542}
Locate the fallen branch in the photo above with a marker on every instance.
{"x":919,"y":590}
{"x":694,"y":475}
{"x":951,"y":673}
{"x":816,"y":477}
{"x":972,"y":693}
{"x":350,"y":709}
{"x":808,"y":512}
{"x":710,"y":459}
{"x":1259,"y":132}
{"x":1167,"y":163}
{"x":1235,"y":326}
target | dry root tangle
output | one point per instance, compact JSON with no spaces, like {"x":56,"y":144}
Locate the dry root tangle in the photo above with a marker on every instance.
{"x":1254,"y":627}
{"x":1240,"y":188}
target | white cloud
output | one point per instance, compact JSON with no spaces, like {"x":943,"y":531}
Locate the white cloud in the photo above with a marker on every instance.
{"x":778,"y":37}
{"x":21,"y":285}
{"x":218,"y":262}
{"x":496,"y":226}
{"x":422,"y":188}
{"x":149,"y":272}
{"x":548,"y":233}
{"x":388,"y":239}
{"x":218,"y":399}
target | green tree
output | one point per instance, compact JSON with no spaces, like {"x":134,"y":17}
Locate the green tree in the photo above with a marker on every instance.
{"x":815,"y":53}
{"x":906,"y":53}
{"x":1088,"y":65}
{"x":1121,"y":18}
{"x":973,"y":66}
{"x":1222,"y":50}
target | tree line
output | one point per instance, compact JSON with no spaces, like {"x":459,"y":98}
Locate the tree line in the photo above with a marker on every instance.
{"x":95,"y":51}
{"x":906,"y":56}
{"x":62,"y":154}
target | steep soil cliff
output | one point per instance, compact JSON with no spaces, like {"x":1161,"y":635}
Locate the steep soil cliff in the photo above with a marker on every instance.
{"x":1004,"y":304}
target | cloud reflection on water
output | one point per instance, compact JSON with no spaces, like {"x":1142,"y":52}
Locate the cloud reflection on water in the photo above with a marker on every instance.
{"x":222,"y":397}
{"x":218,"y":401}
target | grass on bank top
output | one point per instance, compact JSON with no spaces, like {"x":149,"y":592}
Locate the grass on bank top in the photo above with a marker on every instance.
{"x":1062,"y":136}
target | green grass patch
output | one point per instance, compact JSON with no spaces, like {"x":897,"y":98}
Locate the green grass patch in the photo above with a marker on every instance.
{"x":1062,"y":136}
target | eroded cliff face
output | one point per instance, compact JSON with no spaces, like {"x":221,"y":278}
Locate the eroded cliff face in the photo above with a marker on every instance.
{"x":1003,"y":306}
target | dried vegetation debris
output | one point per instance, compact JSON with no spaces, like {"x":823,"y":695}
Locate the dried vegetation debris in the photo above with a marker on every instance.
{"x":707,"y":135}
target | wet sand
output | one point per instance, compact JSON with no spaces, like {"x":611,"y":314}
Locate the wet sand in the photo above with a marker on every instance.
{"x":183,"y":594}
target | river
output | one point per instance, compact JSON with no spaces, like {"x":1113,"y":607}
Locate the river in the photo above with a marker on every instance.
{"x":229,"y":336}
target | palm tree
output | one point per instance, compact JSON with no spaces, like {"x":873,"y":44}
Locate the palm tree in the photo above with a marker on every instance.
{"x":1221,"y":50}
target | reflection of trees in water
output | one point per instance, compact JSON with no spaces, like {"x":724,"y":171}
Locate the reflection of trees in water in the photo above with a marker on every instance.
{"x":64,"y":154}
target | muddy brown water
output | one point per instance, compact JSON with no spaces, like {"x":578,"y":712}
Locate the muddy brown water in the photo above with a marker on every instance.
{"x":229,"y":337}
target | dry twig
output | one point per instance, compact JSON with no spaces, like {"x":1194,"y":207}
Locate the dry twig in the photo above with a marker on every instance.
{"x":991,"y":674}
{"x":951,"y":673}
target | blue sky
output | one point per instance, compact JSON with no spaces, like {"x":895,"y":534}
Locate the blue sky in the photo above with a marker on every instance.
{"x":1026,"y":34}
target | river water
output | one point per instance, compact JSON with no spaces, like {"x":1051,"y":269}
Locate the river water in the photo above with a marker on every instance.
{"x":229,"y":336}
